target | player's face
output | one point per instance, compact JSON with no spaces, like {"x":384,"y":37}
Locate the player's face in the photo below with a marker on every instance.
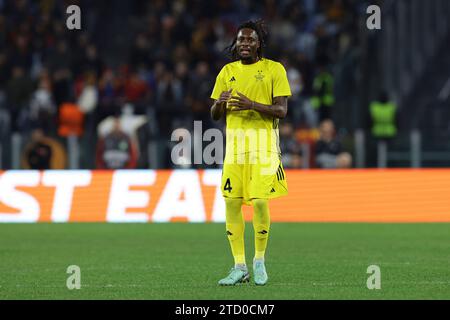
{"x":247,"y":44}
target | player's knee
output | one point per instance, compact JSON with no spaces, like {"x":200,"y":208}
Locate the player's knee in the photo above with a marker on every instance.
{"x":233,"y":204}
{"x":260,"y":206}
{"x":233,"y":212}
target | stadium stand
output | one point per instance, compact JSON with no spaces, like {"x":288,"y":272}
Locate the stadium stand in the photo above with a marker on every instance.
{"x":160,"y":58}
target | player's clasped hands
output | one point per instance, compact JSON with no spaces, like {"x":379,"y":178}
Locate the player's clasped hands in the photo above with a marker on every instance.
{"x":240,"y":102}
{"x":225,"y":96}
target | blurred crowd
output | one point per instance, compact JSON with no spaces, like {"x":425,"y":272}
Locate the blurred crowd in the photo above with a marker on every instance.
{"x":137,"y":70}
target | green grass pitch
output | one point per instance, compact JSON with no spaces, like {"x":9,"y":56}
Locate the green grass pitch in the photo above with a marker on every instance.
{"x":185,"y":261}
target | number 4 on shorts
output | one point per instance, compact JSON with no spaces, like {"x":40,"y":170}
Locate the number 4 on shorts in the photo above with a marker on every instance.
{"x":227,"y":186}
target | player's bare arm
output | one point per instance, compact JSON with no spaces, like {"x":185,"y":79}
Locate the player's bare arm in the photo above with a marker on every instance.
{"x":277,"y":109}
{"x":218,"y":108}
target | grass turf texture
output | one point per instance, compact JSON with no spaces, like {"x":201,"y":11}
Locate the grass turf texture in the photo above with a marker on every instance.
{"x":185,"y":261}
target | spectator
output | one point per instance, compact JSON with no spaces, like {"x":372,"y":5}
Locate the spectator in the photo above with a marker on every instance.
{"x":182,"y":73}
{"x":169,"y":100}
{"x":323,"y":95}
{"x":18,"y":90}
{"x":4,"y":124}
{"x":383,"y":118}
{"x":92,"y":61}
{"x":79,"y":52}
{"x":88,"y":101}
{"x":42,"y":111}
{"x":290,"y":147}
{"x":5,"y":69}
{"x":296,"y":85}
{"x":141,"y":51}
{"x":136,"y":90}
{"x":116,"y":150}
{"x":383,"y":124}
{"x":109,"y":90}
{"x":22,"y":55}
{"x":71,"y":120}
{"x":43,"y":153}
{"x":59,"y":63}
{"x":169,"y":91}
{"x":199,"y":91}
{"x":88,"y":97}
{"x":329,"y":150}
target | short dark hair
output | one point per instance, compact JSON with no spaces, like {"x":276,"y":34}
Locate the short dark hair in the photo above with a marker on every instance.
{"x":261,"y":30}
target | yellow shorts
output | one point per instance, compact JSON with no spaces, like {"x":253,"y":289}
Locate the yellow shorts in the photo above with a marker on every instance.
{"x":253,"y":177}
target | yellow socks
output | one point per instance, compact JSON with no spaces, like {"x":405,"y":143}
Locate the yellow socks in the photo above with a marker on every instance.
{"x":261,"y":225}
{"x":235,"y":229}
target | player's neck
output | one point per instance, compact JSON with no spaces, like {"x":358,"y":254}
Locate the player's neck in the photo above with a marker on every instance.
{"x":250,"y":61}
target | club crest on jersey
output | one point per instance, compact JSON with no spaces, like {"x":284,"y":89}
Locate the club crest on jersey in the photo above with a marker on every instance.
{"x":259,"y":76}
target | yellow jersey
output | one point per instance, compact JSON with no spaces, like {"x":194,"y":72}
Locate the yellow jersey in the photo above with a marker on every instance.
{"x":260,"y":82}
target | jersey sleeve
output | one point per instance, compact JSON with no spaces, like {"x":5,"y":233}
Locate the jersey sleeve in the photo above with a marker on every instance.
{"x":281,"y":86}
{"x":219,"y":86}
